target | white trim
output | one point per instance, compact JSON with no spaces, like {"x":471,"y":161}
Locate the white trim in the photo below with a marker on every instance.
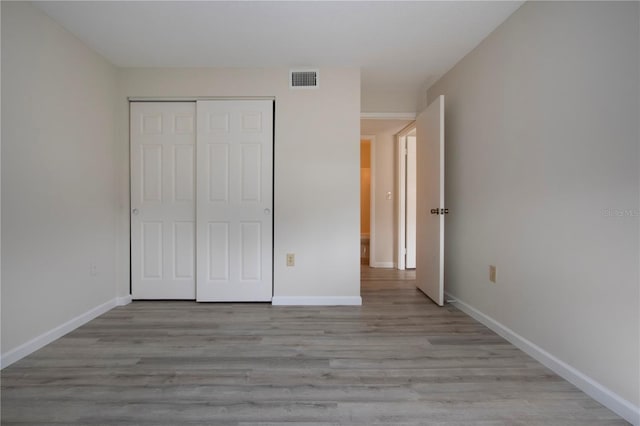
{"x":401,"y":200}
{"x":316,"y":300}
{"x":388,"y":115}
{"x":408,"y":129}
{"x":595,"y":390}
{"x":123,"y":301}
{"x":383,"y":265}
{"x":55,"y":333}
{"x":442,"y":201}
{"x":198,"y":98}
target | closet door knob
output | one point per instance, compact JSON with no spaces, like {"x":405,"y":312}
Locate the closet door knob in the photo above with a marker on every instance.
{"x":135,"y":212}
{"x":267,"y":212}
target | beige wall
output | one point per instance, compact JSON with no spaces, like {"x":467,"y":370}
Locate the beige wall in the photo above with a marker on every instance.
{"x":58,"y":176}
{"x":384,"y":222}
{"x":65,"y":174}
{"x":317,"y":163}
{"x":541,"y":142}
{"x":400,"y":99}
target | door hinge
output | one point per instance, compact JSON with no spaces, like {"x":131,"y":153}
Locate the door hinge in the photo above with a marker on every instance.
{"x":439,"y":211}
{"x":404,"y":251}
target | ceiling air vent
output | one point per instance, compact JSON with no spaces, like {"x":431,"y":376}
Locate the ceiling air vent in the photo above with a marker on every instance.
{"x":303,"y":79}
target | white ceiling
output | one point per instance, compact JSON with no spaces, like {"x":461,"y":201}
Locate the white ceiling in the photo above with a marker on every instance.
{"x":401,"y":47}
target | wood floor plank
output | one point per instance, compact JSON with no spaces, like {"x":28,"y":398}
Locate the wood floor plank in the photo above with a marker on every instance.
{"x":397,"y":360}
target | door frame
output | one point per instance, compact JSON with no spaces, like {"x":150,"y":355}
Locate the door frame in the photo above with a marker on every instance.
{"x":131,"y":99}
{"x":401,"y":200}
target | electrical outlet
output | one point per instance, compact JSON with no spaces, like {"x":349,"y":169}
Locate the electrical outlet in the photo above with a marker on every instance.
{"x":492,"y":273}
{"x":291,"y":259}
{"x":93,"y":270}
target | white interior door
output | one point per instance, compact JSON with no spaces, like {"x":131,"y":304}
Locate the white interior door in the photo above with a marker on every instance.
{"x":410,"y":228}
{"x":234,"y":200}
{"x":163,"y":200}
{"x":401,"y":202}
{"x":430,"y":201}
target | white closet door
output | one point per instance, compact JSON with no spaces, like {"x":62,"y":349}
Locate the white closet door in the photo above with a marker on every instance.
{"x":163,"y":200}
{"x":234,"y":200}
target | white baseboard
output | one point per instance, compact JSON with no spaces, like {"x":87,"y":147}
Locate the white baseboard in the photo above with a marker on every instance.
{"x":55,"y":333}
{"x":124,"y":300}
{"x":316,"y":301}
{"x":383,"y":265}
{"x":595,"y":390}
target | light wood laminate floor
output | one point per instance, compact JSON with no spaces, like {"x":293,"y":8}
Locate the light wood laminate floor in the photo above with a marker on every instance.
{"x":397,"y":360}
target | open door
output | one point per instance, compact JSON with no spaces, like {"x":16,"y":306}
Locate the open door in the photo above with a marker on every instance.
{"x":430,"y":210}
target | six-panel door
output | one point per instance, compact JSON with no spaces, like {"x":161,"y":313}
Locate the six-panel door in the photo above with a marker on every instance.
{"x":210,"y":160}
{"x":163,"y":200}
{"x":234,"y":200}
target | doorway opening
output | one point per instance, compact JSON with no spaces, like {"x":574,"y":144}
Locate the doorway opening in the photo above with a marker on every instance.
{"x":379,"y":242}
{"x":366,"y":198}
{"x":406,"y":206}
{"x":392,"y":221}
